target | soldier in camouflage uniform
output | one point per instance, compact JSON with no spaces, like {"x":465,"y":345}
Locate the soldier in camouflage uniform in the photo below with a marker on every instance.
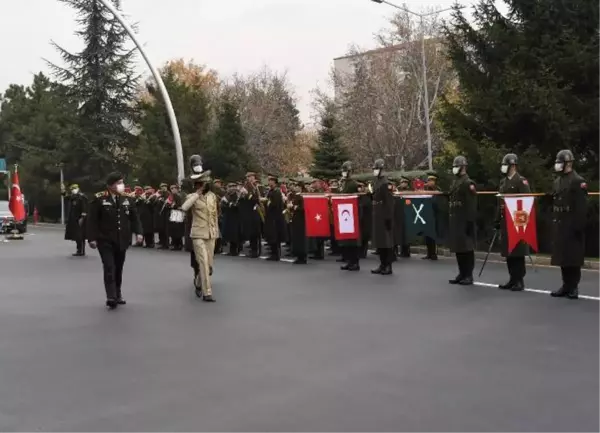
{"x":512,"y":183}
{"x":462,"y":222}
{"x":570,"y":213}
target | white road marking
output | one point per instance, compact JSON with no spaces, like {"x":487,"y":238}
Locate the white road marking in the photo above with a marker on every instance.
{"x":543,"y":292}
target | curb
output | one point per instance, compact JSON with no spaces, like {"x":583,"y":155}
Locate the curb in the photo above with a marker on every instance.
{"x":496,"y":257}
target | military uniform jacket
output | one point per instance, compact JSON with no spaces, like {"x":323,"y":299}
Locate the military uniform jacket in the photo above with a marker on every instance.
{"x":77,"y":209}
{"x":383,"y":214}
{"x":515,"y":185}
{"x":230,"y":211}
{"x":251,"y":222}
{"x":298,"y":227}
{"x":569,"y":214}
{"x":112,"y":219}
{"x":462,"y":209}
{"x":275,"y":229}
{"x":205,"y":215}
{"x":350,"y":186}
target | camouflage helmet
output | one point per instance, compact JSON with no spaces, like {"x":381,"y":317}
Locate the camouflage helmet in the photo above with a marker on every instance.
{"x":347,"y":166}
{"x":565,"y":155}
{"x":510,"y":159}
{"x":459,"y":161}
{"x":378,"y":164}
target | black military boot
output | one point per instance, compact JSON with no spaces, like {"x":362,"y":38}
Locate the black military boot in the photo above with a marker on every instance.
{"x":111,"y":303}
{"x":350,"y":267}
{"x":208,"y":298}
{"x":573,"y":293}
{"x":456,"y":279}
{"x":377,"y":270}
{"x":560,"y":293}
{"x":387,"y":270}
{"x":518,"y":286}
{"x":300,"y":261}
{"x":121,"y":301}
{"x":466,"y":281}
{"x":507,"y":286}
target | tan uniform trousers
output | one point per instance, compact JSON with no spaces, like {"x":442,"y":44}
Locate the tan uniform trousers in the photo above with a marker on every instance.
{"x":204,"y":249}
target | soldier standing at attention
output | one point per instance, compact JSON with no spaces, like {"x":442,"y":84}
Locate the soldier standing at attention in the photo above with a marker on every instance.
{"x":350,"y":249}
{"x":430,"y":243}
{"x":77,"y":207}
{"x":570,"y":213}
{"x":275,"y":230}
{"x":463,"y":213}
{"x":512,"y":183}
{"x":404,"y":252}
{"x":383,"y":217}
{"x":111,"y":219}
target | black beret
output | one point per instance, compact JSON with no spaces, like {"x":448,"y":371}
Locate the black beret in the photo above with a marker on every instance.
{"x":114,"y":177}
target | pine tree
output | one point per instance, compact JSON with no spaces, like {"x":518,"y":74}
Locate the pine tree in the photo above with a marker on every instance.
{"x":330,"y":154}
{"x":227,"y":156}
{"x":101,"y":78}
{"x":528,"y":79}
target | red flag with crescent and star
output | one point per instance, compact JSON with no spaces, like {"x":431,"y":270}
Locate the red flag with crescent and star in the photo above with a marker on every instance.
{"x":345,"y":217}
{"x":16,"y":204}
{"x":519,"y":214}
{"x":316,"y":216}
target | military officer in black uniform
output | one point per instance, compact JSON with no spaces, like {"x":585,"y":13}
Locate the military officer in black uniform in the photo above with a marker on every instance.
{"x":430,"y":243}
{"x":569,"y":221}
{"x":402,"y":246}
{"x":383,"y":218}
{"x":111,"y":219}
{"x":462,"y":223}
{"x":350,"y":249}
{"x":77,"y":207}
{"x":275,"y":230}
{"x":512,"y":183}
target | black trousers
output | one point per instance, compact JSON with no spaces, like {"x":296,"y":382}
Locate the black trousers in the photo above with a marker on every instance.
{"x":405,"y":250}
{"x":234,"y":248}
{"x":319,"y":251}
{"x":431,"y":247}
{"x":275,"y":250}
{"x":351,"y":254}
{"x":516,"y":268}
{"x":571,"y":276}
{"x":386,"y":256}
{"x":163,"y":238}
{"x":149,"y":239}
{"x":80,"y":243}
{"x":113,"y":259}
{"x":255,"y":246}
{"x":466,"y":264}
{"x":177,"y":243}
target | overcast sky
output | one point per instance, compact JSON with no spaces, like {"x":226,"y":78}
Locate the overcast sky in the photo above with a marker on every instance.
{"x":298,"y":36}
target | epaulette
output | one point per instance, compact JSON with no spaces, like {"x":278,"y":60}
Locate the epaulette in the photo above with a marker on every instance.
{"x":101,"y":194}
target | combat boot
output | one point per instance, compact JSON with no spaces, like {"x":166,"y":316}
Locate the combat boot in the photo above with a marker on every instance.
{"x":573,"y":294}
{"x":560,"y":293}
{"x":518,"y":286}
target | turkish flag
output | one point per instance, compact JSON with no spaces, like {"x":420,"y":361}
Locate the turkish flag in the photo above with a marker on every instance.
{"x":519,"y":214}
{"x":16,"y":205}
{"x":345,"y":217}
{"x":316,"y":215}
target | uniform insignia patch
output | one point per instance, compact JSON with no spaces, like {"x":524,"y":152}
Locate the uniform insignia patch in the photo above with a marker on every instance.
{"x":100,"y":194}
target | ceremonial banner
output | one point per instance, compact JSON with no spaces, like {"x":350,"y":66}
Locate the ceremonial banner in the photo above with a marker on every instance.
{"x":316,"y":215}
{"x":419,"y":217}
{"x":519,"y":214}
{"x":16,"y":204}
{"x":345,"y":217}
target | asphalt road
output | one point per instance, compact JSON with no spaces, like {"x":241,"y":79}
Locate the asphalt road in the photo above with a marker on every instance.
{"x":288,"y":348}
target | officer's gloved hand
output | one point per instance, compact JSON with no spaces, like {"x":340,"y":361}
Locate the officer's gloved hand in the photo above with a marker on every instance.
{"x":388,"y":224}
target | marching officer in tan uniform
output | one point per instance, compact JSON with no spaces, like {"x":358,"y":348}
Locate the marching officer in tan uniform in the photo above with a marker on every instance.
{"x":569,"y":220}
{"x":203,"y":204}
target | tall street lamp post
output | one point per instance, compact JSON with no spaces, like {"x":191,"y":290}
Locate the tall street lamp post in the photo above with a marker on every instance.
{"x":424,"y":71}
{"x":161,"y":85}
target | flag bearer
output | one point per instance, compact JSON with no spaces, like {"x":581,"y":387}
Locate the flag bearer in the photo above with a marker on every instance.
{"x":350,"y":248}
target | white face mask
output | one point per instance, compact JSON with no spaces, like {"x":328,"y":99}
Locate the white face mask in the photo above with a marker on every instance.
{"x":455,"y":170}
{"x":559,"y":166}
{"x":376,"y":172}
{"x":120,"y":188}
{"x":197,"y":169}
{"x":75,"y":191}
{"x":344,"y":174}
{"x":504,"y":168}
